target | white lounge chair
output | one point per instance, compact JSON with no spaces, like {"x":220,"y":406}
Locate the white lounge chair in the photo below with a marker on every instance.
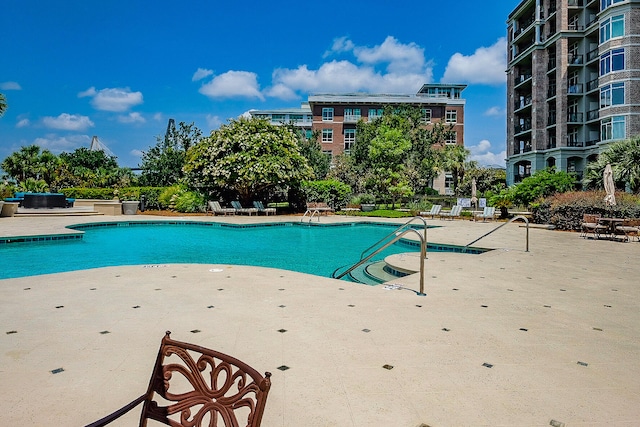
{"x":258,"y":205}
{"x":452,"y":214}
{"x":489,"y":212}
{"x":435,"y":210}
{"x":239,"y":209}
{"x":216,"y":209}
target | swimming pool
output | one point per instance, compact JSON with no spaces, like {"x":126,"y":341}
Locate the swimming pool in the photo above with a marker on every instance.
{"x":315,"y":249}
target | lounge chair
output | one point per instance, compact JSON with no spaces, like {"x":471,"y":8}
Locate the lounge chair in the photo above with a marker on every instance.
{"x":591,"y":224}
{"x":239,"y":209}
{"x":435,"y":210}
{"x":261,"y":209}
{"x":630,"y":228}
{"x":452,"y":214}
{"x":489,"y":212}
{"x":207,"y":384}
{"x":216,"y":209}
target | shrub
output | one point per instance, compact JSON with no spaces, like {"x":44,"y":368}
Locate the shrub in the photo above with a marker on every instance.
{"x":565,"y":210}
{"x":543,"y":183}
{"x":330,"y":191}
{"x":189,"y":201}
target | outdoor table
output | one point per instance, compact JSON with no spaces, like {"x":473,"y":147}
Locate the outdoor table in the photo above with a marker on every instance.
{"x":611,"y":224}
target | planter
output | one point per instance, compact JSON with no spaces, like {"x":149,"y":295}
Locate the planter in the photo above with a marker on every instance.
{"x":130,"y":207}
{"x":368,"y":207}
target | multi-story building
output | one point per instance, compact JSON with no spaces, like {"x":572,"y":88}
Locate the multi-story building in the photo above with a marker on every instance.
{"x":301,"y":117}
{"x":573,"y":82}
{"x":334,"y":117}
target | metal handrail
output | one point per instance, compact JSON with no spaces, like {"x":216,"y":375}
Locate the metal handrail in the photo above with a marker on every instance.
{"x":313,"y":212}
{"x":423,"y":252}
{"x":500,"y":226}
{"x":396,"y":231}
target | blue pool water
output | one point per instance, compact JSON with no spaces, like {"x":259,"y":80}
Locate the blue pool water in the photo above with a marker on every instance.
{"x":315,"y":249}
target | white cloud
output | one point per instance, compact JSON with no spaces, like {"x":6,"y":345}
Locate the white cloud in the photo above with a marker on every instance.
{"x":68,"y":122}
{"x":401,"y":58}
{"x":200,"y":74}
{"x":340,"y":45}
{"x":213,"y":122}
{"x":112,"y":99}
{"x":158,"y":117}
{"x":482,"y":154}
{"x":495,"y":112}
{"x":131,"y":118}
{"x":136,"y":153}
{"x":233,"y":84}
{"x":57,"y":144}
{"x":23,"y":123}
{"x":10,"y":86}
{"x":486,"y":65}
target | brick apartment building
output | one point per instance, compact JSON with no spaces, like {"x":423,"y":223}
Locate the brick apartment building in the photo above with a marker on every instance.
{"x":573,"y":82}
{"x":335,"y":116}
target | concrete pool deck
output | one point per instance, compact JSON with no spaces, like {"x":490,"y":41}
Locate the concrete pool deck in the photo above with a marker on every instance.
{"x":506,"y":338}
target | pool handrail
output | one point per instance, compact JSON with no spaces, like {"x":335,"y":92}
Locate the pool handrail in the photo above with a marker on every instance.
{"x":397,"y":230}
{"x":526,"y":220}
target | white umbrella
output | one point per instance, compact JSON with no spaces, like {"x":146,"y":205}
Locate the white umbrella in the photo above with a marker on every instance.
{"x":474,"y":199}
{"x":609,"y":186}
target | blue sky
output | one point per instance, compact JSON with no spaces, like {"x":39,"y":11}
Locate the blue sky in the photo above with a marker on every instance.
{"x":120,"y":69}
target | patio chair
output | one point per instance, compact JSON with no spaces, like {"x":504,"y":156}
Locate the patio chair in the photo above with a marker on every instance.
{"x":216,"y":209}
{"x":590,"y":224}
{"x":261,"y":209}
{"x":630,"y":228}
{"x":209,"y":386}
{"x":454,"y":213}
{"x":239,"y":209}
{"x":435,"y":210}
{"x":489,"y":212}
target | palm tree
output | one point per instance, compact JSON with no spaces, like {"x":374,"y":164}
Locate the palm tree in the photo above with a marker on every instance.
{"x":624,"y":157}
{"x":452,"y":160}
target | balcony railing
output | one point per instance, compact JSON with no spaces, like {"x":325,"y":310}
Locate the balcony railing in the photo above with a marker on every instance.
{"x":575,"y":117}
{"x":593,"y":115}
{"x":521,"y":103}
{"x":572,"y":141}
{"x":551,"y":143}
{"x":575,"y":27}
{"x":592,"y":85}
{"x":351,"y":118}
{"x":592,"y":20}
{"x":574,"y":3}
{"x":523,"y":127}
{"x":575,"y":88}
{"x":551,"y":92}
{"x":575,"y":59}
{"x":593,"y":54}
{"x":551,"y":118}
{"x":551,"y":64}
{"x":523,"y":78}
{"x":592,"y":142}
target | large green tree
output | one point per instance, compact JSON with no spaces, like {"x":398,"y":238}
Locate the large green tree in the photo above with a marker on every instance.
{"x":247,"y":156}
{"x":624,"y":158}
{"x":311,"y":149}
{"x":30,"y":162}
{"x":453,"y":159}
{"x":90,"y":168}
{"x":3,"y":104}
{"x":162,"y":165}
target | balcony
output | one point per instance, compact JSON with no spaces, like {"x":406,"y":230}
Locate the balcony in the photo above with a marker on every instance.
{"x":575,"y":89}
{"x":575,"y":60}
{"x":593,"y":18}
{"x":351,"y":118}
{"x":522,"y":78}
{"x":551,"y":64}
{"x":522,"y":103}
{"x":574,"y":3}
{"x":572,"y":141}
{"x":551,"y":118}
{"x":592,"y":142}
{"x":551,"y":92}
{"x":522,"y":127}
{"x":593,"y":55}
{"x":552,"y":143}
{"x":575,"y":27}
{"x":592,"y":85}
{"x":575,"y":117}
{"x":552,"y":8}
{"x":593,"y":115}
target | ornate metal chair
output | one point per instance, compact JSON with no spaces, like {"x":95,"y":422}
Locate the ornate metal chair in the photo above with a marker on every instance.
{"x":194,"y":386}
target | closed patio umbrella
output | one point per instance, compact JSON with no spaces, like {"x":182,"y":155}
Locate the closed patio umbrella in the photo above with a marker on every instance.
{"x":609,"y":186}
{"x":474,"y":199}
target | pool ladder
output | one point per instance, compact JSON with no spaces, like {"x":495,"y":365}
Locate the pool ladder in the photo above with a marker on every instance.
{"x":397,"y":234}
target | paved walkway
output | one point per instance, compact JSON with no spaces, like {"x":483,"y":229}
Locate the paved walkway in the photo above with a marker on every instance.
{"x":506,"y":338}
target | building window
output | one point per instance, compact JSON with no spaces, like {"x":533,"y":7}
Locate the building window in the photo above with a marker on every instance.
{"x":308,"y":133}
{"x":452,"y":138}
{"x":327,"y":114}
{"x":327,"y":135}
{"x":612,"y":94}
{"x":451,"y":116}
{"x":611,"y":28}
{"x":349,"y":139}
{"x":606,"y":3}
{"x":329,"y":154}
{"x":295,"y":118}
{"x":448,"y":184}
{"x":426,"y":115}
{"x":613,"y":128}
{"x":612,"y":61}
{"x":277,"y":118}
{"x":351,"y":114}
{"x":375,"y":113}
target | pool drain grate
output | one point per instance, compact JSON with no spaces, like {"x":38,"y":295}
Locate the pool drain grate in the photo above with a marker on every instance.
{"x":282,"y":331}
{"x":57,"y":370}
{"x":283,"y":368}
{"x":388,"y":367}
{"x":487,"y":365}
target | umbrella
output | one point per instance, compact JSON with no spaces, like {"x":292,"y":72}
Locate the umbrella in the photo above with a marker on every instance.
{"x":474,"y":199}
{"x":609,"y":186}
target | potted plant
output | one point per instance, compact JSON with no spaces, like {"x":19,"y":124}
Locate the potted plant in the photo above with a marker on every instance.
{"x":367,"y":202}
{"x":503,"y":200}
{"x":129,"y":202}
